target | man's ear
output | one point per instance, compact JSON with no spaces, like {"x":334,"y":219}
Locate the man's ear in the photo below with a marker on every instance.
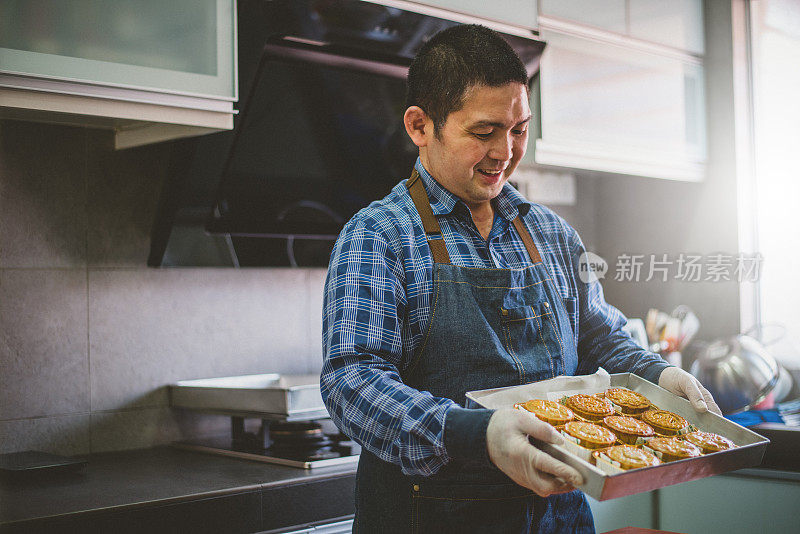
{"x":419,"y":126}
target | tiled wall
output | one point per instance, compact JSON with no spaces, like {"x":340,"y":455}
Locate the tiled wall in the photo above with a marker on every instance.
{"x":90,"y":336}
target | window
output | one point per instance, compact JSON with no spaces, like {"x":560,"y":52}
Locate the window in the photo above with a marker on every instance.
{"x":775,"y":53}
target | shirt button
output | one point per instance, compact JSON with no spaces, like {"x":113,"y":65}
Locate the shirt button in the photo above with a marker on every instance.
{"x":546,"y":304}
{"x":416,"y":487}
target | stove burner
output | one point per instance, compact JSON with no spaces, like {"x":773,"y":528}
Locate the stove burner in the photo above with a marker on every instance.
{"x":295,"y":428}
{"x":304,"y":444}
{"x":295,"y":440}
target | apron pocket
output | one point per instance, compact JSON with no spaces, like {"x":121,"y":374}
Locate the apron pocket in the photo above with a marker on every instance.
{"x":532,"y":339}
{"x":465,"y":508}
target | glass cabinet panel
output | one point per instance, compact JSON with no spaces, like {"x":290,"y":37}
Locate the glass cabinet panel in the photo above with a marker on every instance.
{"x":677,"y":23}
{"x":179,"y":46}
{"x":515,"y":12}
{"x":615,"y":100}
{"x":606,"y":14}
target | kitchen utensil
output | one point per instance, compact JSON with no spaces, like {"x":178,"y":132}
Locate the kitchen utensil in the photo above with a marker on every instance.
{"x":739,"y":372}
{"x":689,"y":325}
{"x":784,"y":385}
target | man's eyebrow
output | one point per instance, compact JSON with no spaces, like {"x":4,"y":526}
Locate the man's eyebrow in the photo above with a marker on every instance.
{"x":483,"y":123}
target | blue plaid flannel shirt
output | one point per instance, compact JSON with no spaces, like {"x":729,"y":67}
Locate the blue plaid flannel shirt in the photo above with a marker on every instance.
{"x":377,"y":307}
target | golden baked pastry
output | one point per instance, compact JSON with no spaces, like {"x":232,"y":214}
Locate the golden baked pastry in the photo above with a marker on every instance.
{"x":589,"y":435}
{"x":627,"y":401}
{"x":664,"y":422}
{"x":628,"y":429}
{"x":709,"y":442}
{"x":627,"y":457}
{"x":548,"y":411}
{"x":671,"y":449}
{"x":589,"y":407}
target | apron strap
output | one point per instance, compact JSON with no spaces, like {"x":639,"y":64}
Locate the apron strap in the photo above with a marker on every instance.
{"x":523,"y":232}
{"x":438,"y":249}
{"x":423,"y":204}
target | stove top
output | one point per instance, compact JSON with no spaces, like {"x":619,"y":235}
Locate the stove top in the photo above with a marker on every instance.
{"x":304,"y":444}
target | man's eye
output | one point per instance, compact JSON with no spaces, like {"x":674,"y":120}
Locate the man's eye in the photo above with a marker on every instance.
{"x":483,"y":135}
{"x":519,"y":132}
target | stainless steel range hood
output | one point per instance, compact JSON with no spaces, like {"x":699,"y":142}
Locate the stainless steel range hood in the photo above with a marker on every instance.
{"x":319,"y":135}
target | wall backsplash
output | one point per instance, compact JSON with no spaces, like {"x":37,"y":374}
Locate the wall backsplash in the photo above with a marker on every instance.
{"x":89,"y":336}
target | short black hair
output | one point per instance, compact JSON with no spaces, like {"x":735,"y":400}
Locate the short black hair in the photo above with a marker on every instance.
{"x":455,"y":60}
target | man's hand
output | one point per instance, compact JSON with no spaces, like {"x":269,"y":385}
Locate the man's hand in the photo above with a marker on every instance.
{"x":682,"y":383}
{"x":510,"y":450}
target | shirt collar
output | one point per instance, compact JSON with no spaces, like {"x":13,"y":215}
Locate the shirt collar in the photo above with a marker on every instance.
{"x":508,"y":204}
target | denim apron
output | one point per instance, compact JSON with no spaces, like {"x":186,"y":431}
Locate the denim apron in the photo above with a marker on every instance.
{"x":489,"y":328}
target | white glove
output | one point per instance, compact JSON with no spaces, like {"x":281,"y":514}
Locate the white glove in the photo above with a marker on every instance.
{"x":510,"y":450}
{"x":681,"y":383}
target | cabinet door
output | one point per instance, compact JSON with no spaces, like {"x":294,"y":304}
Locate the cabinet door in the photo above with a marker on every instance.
{"x":606,"y":14}
{"x":612,"y":108}
{"x":730,"y":504}
{"x":514,"y":12}
{"x":180,"y":46}
{"x":631,"y":511}
{"x":678,"y":23}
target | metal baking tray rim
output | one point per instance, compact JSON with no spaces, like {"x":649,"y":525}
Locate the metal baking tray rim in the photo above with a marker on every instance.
{"x":219,"y":383}
{"x":269,"y":396}
{"x":602,"y":486}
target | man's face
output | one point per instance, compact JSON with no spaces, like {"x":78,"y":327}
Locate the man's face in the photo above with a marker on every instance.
{"x":481,"y":144}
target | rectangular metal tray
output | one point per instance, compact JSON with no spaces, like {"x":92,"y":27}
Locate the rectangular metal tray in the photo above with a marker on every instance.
{"x":268,"y":396}
{"x":748,"y":453}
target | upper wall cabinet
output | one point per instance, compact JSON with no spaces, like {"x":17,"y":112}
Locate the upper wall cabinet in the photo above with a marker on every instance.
{"x":514,"y":13}
{"x":150,"y":70}
{"x":605,"y":14}
{"x":677,"y":23}
{"x":611,"y":101}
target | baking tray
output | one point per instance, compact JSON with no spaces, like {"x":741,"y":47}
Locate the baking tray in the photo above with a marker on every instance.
{"x":748,"y":453}
{"x":267,"y":396}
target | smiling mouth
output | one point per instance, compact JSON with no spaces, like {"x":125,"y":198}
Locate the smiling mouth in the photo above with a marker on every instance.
{"x":492,"y":174}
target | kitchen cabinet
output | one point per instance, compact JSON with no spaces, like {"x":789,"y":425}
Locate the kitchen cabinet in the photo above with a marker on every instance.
{"x":606,"y":14}
{"x":513,"y":13}
{"x":731,"y":504}
{"x":621,"y":88}
{"x":148,"y":70}
{"x":606,"y":104}
{"x":631,"y":511}
{"x":742,"y":501}
{"x":678,"y":23}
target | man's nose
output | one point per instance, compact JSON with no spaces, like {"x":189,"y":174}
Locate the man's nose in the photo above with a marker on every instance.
{"x":502,"y":148}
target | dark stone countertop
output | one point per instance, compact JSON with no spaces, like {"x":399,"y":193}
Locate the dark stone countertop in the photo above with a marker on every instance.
{"x":125,"y":485}
{"x":165,"y":489}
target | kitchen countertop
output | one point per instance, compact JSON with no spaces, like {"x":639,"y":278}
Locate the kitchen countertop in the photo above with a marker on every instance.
{"x":168,"y":489}
{"x":128,"y":483}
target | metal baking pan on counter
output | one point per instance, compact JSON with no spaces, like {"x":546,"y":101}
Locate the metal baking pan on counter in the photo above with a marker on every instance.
{"x":602,"y":486}
{"x":267,"y":396}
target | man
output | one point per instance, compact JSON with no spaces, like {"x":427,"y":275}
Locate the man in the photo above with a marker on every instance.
{"x":454,"y":282}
